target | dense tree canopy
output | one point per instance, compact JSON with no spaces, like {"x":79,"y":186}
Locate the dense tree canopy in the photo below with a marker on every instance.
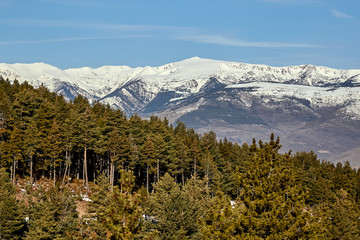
{"x":149,"y":179}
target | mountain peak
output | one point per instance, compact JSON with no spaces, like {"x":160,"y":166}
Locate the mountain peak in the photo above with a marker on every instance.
{"x":197,"y":59}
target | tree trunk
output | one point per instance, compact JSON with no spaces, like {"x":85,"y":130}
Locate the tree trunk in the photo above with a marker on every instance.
{"x":195,"y":167}
{"x":94,"y":172}
{"x":14,"y":171}
{"x":183,"y":178}
{"x":157,"y":170}
{"x":54,"y":173}
{"x":31,"y":169}
{"x":66,"y":164}
{"x":65,"y":173}
{"x":147,"y":177}
{"x":108,"y":165}
{"x":207,"y":171}
{"x":78,"y":169}
{"x":85,"y":169}
{"x":112,"y":171}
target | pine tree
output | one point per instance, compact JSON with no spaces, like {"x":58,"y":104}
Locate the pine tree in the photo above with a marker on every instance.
{"x":123,"y":215}
{"x":12,"y":219}
{"x":43,"y":121}
{"x":172,"y":211}
{"x":124,"y":152}
{"x":85,"y":135}
{"x":30,"y":144}
{"x":12,"y":148}
{"x":117,"y":212}
{"x":343,"y":218}
{"x":182,"y":160}
{"x":148,"y":160}
{"x":114,"y":139}
{"x":195,"y":152}
{"x":274,"y":199}
{"x":101,"y":199}
{"x":222,"y":219}
{"x":52,"y":214}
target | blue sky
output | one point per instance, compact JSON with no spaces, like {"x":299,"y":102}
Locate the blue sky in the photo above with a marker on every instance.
{"x":77,"y":33}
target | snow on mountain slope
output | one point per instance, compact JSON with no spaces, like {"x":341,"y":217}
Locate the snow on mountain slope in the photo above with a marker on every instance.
{"x":37,"y":74}
{"x":101,"y":81}
{"x":51,"y":77}
{"x":309,"y":107}
{"x":317,"y":96}
{"x":131,"y":89}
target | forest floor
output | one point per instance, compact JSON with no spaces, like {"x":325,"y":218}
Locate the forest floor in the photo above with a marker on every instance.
{"x":76,"y":186}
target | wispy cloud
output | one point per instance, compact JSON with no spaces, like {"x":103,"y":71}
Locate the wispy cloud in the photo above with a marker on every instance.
{"x":302,"y":2}
{"x":227,"y":41}
{"x":69,"y":39}
{"x":113,"y":31}
{"x":280,"y":1}
{"x":93,"y":25}
{"x":78,"y":3}
{"x":338,"y":14}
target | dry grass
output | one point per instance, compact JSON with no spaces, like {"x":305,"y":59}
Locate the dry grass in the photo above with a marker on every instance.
{"x":77,"y":188}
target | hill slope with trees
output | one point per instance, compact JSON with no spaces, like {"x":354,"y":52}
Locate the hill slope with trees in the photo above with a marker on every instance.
{"x":149,"y":179}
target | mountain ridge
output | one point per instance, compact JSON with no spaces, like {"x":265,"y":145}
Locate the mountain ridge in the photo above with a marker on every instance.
{"x":185,"y":77}
{"x":302,"y":104}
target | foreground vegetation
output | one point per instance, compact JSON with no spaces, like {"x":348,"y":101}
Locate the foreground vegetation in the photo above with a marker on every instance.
{"x":145,"y":179}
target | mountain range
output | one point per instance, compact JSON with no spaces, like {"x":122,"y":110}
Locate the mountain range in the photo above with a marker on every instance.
{"x":308,"y":107}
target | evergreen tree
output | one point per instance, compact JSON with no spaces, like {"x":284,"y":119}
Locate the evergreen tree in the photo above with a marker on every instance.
{"x":171,"y":210}
{"x":43,"y":121}
{"x":52,"y":214}
{"x":12,"y":219}
{"x":117,"y":212}
{"x":123,"y":215}
{"x":31,"y":144}
{"x":85,"y":135}
{"x":343,"y":218}
{"x":222,"y":220}
{"x":274,"y":199}
{"x":101,"y":199}
{"x":13,"y":150}
{"x":148,"y":160}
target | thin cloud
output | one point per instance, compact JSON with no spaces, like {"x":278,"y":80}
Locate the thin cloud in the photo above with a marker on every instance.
{"x":224,"y":41}
{"x":68,"y":39}
{"x":279,"y":1}
{"x":78,"y":3}
{"x":208,"y":39}
{"x":112,"y":31}
{"x":93,"y":25}
{"x":338,"y":14}
{"x":302,"y":2}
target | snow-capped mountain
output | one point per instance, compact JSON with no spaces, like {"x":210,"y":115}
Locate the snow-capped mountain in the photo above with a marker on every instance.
{"x":310,"y":107}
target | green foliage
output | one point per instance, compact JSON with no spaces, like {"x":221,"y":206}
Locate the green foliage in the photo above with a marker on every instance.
{"x":12,"y":219}
{"x":170,"y":211}
{"x":343,"y":218}
{"x":117,"y":212}
{"x":273,"y":196}
{"x":277,"y":195}
{"x":222,"y":219}
{"x":123,"y":216}
{"x":52,"y":214}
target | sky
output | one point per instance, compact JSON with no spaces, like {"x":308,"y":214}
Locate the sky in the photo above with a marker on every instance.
{"x":137,"y":33}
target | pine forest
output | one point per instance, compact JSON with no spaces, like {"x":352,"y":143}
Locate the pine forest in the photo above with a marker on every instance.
{"x":75,"y":170}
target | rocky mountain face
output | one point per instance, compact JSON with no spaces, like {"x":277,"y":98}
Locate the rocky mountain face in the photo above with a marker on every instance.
{"x":309,"y":107}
